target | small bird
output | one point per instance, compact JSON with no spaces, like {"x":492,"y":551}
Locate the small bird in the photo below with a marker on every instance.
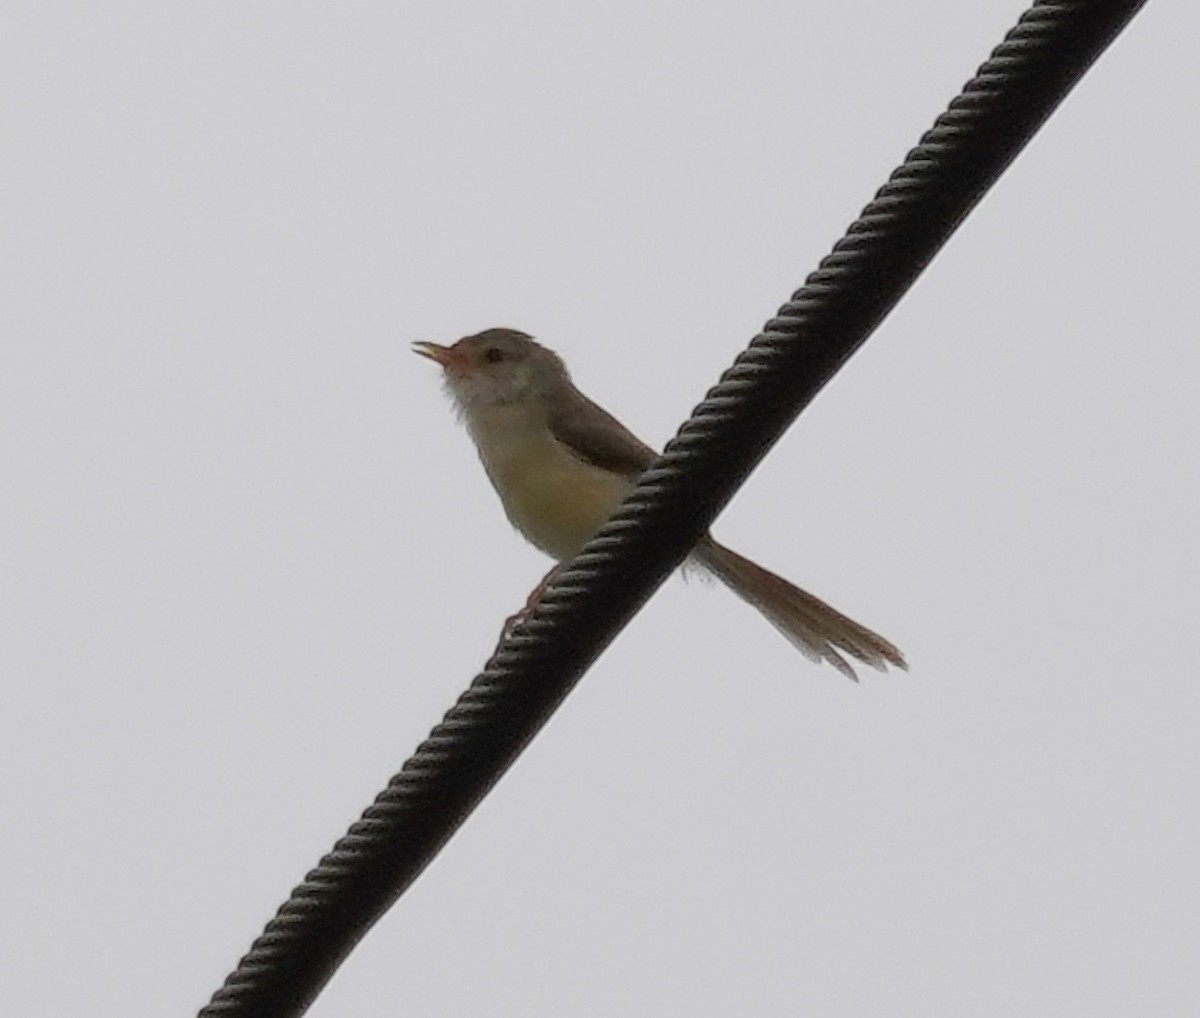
{"x":561,"y":466}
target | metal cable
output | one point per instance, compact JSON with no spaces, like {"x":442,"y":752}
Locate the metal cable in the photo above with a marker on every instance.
{"x":593,"y":597}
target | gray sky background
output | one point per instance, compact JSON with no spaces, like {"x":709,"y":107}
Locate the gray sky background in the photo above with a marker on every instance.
{"x":249,"y":558}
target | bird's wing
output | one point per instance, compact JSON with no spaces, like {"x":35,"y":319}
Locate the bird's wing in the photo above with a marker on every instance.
{"x":598,"y":438}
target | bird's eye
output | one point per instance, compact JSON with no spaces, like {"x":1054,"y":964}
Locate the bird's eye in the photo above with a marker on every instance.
{"x":493,"y":355}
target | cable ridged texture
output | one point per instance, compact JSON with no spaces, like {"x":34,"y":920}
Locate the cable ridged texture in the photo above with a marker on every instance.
{"x":591,"y":599}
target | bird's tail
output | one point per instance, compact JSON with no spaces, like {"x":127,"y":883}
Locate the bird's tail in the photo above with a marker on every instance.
{"x":816,"y":630}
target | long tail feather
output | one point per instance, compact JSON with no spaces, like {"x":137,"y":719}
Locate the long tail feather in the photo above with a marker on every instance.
{"x":820,"y":632}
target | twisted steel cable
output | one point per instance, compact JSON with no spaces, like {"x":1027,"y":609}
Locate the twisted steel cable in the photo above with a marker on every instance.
{"x":592,"y":598}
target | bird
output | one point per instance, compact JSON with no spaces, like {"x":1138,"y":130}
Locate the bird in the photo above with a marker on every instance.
{"x":562,"y":465}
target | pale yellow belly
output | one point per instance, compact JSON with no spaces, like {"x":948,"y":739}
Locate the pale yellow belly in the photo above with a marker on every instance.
{"x":555,"y":499}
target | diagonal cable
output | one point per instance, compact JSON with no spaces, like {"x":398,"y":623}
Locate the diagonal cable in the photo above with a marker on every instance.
{"x":592,"y":598}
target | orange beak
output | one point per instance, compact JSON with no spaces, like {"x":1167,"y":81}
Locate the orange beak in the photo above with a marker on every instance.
{"x":448,"y":357}
{"x":444,"y":355}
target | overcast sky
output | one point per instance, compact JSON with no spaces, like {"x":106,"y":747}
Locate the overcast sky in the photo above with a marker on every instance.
{"x":249,"y":558}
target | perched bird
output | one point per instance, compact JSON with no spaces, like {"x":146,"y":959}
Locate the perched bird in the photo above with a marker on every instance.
{"x":561,"y":466}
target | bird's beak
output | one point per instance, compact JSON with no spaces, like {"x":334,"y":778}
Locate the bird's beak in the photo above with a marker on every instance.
{"x":435,"y":352}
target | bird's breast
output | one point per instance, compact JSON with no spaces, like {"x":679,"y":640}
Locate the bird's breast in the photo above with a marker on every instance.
{"x":555,"y":499}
